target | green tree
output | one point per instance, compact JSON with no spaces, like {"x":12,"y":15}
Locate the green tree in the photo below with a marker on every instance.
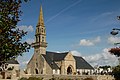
{"x":116,"y":72}
{"x":116,"y":52}
{"x":11,"y":45}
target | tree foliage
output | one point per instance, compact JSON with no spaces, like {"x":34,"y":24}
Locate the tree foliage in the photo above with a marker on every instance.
{"x":116,"y":72}
{"x":11,"y":45}
{"x":115,"y":51}
{"x":88,"y":79}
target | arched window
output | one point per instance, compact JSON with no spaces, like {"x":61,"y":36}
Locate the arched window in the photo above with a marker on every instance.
{"x":41,"y":71}
{"x":43,"y":39}
{"x":42,"y":30}
{"x":36,"y":64}
{"x":38,"y":30}
{"x":36,"y":71}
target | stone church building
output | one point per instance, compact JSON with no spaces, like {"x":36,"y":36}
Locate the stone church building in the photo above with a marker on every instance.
{"x":46,"y":62}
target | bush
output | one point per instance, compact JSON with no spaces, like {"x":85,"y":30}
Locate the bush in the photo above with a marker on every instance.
{"x":34,"y":78}
{"x":116,"y":72}
{"x":88,"y":79}
{"x":52,"y":79}
{"x":23,"y":78}
{"x":31,"y":78}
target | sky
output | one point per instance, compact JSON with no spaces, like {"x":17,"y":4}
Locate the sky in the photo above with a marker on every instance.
{"x":80,"y":26}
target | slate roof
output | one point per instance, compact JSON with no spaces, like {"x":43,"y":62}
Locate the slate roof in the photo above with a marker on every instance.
{"x":56,"y":56}
{"x":12,"y":62}
{"x":51,"y":63}
{"x":81,"y":63}
{"x":51,"y":57}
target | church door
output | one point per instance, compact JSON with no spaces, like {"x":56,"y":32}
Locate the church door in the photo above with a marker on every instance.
{"x":69,"y":70}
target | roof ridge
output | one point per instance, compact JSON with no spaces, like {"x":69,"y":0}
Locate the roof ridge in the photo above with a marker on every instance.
{"x":57,"y":52}
{"x":77,"y":56}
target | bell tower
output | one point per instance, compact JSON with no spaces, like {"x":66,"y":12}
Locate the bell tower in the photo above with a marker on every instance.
{"x":40,"y":36}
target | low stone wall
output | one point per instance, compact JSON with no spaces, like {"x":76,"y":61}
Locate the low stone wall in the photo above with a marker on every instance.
{"x":74,"y":77}
{"x":105,"y":77}
{"x":8,"y":79}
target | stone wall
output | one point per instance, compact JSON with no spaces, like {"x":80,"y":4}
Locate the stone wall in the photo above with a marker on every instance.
{"x":8,"y":79}
{"x":69,"y":61}
{"x":74,"y":77}
{"x":36,"y":63}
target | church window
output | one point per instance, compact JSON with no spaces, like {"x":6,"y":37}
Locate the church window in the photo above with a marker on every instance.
{"x":36,"y":71}
{"x":36,"y":64}
{"x":41,"y":71}
{"x":42,"y":30}
{"x":38,"y":29}
{"x":42,"y":39}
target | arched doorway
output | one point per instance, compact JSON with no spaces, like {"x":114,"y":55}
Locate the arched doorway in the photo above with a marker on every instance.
{"x":36,"y":71}
{"x":69,"y":70}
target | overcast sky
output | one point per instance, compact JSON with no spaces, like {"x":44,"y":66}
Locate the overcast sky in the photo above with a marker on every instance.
{"x":80,"y":26}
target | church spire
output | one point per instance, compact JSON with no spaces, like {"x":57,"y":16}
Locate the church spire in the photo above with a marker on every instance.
{"x":40,"y":36}
{"x":41,"y":20}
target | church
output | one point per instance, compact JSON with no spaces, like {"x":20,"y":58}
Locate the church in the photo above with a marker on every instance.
{"x":48,"y":62}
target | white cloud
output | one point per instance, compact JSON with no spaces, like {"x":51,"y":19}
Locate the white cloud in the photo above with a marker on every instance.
{"x":26,"y":28}
{"x":97,"y":39}
{"x":85,"y":42}
{"x":76,"y":53}
{"x":30,"y":28}
{"x":29,"y":41}
{"x":104,"y":58}
{"x":113,"y":39}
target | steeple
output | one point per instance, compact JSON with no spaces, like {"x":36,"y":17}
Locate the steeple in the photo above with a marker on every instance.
{"x":40,"y":36}
{"x":41,"y":20}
